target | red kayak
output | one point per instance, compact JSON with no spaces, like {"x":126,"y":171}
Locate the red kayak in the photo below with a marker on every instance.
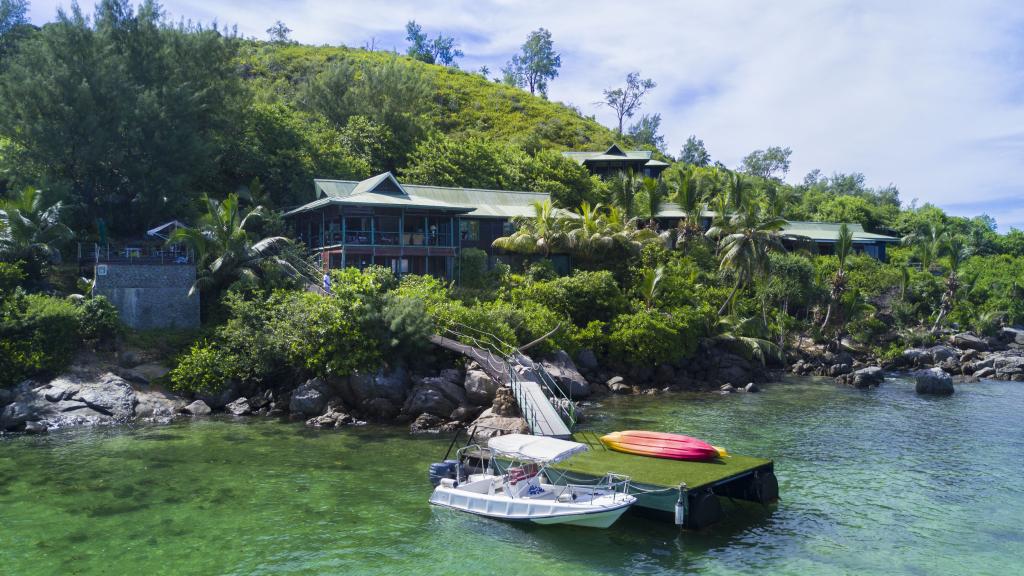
{"x":661,"y":445}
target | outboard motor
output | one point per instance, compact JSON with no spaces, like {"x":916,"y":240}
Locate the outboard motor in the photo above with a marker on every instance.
{"x":439,"y":470}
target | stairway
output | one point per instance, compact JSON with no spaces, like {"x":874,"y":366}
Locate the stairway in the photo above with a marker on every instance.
{"x":540,"y":415}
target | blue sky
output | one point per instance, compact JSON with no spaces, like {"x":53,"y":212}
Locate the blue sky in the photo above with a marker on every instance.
{"x":927,"y":95}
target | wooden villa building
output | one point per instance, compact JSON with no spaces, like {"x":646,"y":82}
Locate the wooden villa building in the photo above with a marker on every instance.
{"x":614,"y":160}
{"x":409,"y":228}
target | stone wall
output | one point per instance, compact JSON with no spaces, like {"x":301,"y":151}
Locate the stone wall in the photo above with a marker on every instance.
{"x":150,"y":295}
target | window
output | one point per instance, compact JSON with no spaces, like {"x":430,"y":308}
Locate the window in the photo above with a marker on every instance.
{"x":469,"y":230}
{"x":507,"y":228}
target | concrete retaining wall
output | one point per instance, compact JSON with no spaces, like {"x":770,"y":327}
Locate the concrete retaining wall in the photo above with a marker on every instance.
{"x":150,"y":296}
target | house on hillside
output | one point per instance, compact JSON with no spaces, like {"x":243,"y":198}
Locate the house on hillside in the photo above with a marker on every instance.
{"x":409,"y":228}
{"x":614,"y":160}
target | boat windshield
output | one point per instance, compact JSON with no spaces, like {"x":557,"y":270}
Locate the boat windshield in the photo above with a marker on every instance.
{"x":540,"y":449}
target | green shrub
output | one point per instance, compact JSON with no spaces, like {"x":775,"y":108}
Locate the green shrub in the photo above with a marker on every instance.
{"x":471,"y":269}
{"x":583,"y":297}
{"x":99,"y":320}
{"x":650,"y":337}
{"x":38,"y":336}
{"x":206,"y":368}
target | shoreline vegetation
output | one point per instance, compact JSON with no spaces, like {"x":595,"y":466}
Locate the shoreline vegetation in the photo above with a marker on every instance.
{"x":646,"y":310}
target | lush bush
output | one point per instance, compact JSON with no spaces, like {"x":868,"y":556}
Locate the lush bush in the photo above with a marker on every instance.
{"x":206,"y":368}
{"x":650,"y":337}
{"x":583,"y":297}
{"x":471,"y":269}
{"x":99,"y":320}
{"x":38,"y":336}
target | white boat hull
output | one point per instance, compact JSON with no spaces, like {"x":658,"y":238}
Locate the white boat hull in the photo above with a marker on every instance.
{"x":595,"y":511}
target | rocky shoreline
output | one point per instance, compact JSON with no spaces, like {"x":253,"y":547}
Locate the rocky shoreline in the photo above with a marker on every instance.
{"x":95,"y":393}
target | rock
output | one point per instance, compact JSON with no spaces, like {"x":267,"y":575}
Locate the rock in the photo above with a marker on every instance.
{"x":489,"y":425}
{"x":465,"y":413}
{"x":1012,"y":336}
{"x":239,"y":407}
{"x":505,"y":404}
{"x":310,"y":398}
{"x":15,"y":415}
{"x":151,"y":371}
{"x":933,"y":381}
{"x":380,"y":409}
{"x":109,"y":395}
{"x":455,"y":393}
{"x":839,"y":358}
{"x":613,"y":381}
{"x":158,"y":405}
{"x":664,"y":374}
{"x":969,"y":356}
{"x":452,"y":375}
{"x":131,"y":375}
{"x":727,"y":388}
{"x":563,"y":371}
{"x":751,"y":387}
{"x":941,"y":352}
{"x":61,"y":391}
{"x":431,"y":424}
{"x":968,"y":341}
{"x":916,"y":356}
{"x":197,"y":408}
{"x":220,"y":399}
{"x":1008,"y":366}
{"x":334,"y":417}
{"x":35,"y":428}
{"x":985,"y":373}
{"x":128,"y":359}
{"x":839,"y":369}
{"x":586,"y":359}
{"x":620,"y":387}
{"x":430,"y":400}
{"x":863,"y":378}
{"x":480,"y":388}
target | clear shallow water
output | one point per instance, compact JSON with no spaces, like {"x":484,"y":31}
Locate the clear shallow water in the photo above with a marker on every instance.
{"x":877,"y":482}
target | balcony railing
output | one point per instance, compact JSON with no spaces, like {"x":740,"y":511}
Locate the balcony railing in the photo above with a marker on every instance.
{"x":133,"y":253}
{"x":379,"y":238}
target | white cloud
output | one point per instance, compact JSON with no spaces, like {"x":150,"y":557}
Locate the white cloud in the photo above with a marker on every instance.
{"x":928,"y":95}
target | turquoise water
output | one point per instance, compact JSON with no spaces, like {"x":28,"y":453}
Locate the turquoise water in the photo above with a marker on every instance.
{"x":876,"y":482}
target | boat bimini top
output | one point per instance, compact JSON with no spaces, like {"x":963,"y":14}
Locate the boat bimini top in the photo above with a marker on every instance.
{"x":540,"y":449}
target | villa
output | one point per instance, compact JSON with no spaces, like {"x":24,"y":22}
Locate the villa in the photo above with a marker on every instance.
{"x":615,"y":160}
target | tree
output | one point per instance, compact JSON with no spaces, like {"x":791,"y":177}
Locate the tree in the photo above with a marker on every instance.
{"x":691,"y":203}
{"x":31,"y":231}
{"x":624,"y":188}
{"x":654,"y":194}
{"x":127,"y":113}
{"x":441,"y":50}
{"x":770,"y":163}
{"x":645,"y":131}
{"x":279,"y":33}
{"x":535,"y":65}
{"x":956,"y":252}
{"x":625,"y":101}
{"x":745,"y":246}
{"x":225,"y":250}
{"x":694,"y":152}
{"x":650,"y":285}
{"x":844,"y":245}
{"x":927,"y":244}
{"x":14,"y":25}
{"x":540,"y":234}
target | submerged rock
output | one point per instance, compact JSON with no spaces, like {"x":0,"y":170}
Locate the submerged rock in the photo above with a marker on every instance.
{"x":863,"y":378}
{"x":933,"y":381}
{"x":310,"y":398}
{"x":240,"y":407}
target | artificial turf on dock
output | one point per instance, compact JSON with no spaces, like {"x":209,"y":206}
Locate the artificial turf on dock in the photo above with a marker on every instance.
{"x":598,"y":461}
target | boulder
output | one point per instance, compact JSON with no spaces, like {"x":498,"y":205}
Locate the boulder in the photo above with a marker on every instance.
{"x":489,"y":424}
{"x":586,"y":359}
{"x":941,"y":352}
{"x":916,"y":356}
{"x":426,"y":399}
{"x":619,"y":386}
{"x":664,"y":374}
{"x":1007,"y":367}
{"x":361,"y":387}
{"x":380,"y":409}
{"x":240,"y":407}
{"x":129,"y":359}
{"x":61,"y":390}
{"x":151,"y":370}
{"x":334,"y":417}
{"x":839,"y":369}
{"x":480,"y":388}
{"x":751,"y":387}
{"x":197,"y":408}
{"x":505,"y":404}
{"x":310,"y":398}
{"x":933,"y":381}
{"x":727,"y":388}
{"x":15,"y":415}
{"x":452,"y":375}
{"x":563,"y":371}
{"x":863,"y":378}
{"x":219,"y":400}
{"x":157,"y":405}
{"x":6,"y":396}
{"x":110,"y":395}
{"x":1012,"y":336}
{"x":968,"y":341}
{"x":985,"y":373}
{"x":465,"y":413}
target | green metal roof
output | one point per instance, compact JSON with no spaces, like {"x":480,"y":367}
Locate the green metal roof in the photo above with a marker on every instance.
{"x":385,"y":190}
{"x":829,"y":232}
{"x":612,"y":154}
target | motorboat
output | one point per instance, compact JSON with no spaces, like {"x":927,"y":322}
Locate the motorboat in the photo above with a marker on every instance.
{"x":515,"y":487}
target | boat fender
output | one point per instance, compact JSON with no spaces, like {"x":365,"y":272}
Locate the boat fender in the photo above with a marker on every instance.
{"x":681,"y":505}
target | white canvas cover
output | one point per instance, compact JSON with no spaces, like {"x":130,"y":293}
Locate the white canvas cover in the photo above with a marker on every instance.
{"x":540,"y":449}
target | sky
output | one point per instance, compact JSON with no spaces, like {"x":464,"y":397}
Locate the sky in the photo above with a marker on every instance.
{"x":924,"y":94}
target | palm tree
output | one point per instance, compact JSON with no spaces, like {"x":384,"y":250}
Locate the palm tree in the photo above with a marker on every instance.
{"x":956,"y":252}
{"x":30,"y":230}
{"x":225,"y":252}
{"x":745,"y":245}
{"x":654,"y":194}
{"x":587,"y":235}
{"x":649,"y":286}
{"x":737,"y":190}
{"x":844,"y":245}
{"x":690,"y":202}
{"x":542,"y":233}
{"x":927,"y":244}
{"x":624,"y":188}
